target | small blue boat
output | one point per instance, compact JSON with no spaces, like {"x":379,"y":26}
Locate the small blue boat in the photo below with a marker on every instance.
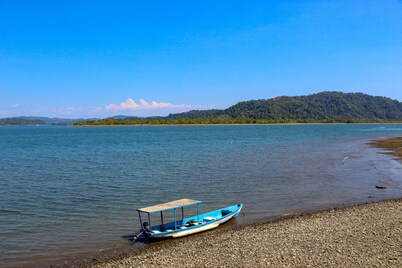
{"x":185,"y":225}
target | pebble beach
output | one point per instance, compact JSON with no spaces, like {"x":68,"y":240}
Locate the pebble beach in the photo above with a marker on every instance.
{"x":368,"y":235}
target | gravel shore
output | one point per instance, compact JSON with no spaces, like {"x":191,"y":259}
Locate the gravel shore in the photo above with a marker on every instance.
{"x":367,"y":235}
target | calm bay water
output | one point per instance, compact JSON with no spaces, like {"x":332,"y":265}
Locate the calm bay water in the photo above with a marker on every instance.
{"x":66,"y":190}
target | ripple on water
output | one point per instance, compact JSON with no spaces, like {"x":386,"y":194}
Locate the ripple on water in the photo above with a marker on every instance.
{"x":69,"y":190}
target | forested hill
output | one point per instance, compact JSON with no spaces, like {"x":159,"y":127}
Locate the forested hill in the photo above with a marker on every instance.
{"x":322,"y":106}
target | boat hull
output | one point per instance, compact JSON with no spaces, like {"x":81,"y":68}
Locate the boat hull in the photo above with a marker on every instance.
{"x":201,"y":227}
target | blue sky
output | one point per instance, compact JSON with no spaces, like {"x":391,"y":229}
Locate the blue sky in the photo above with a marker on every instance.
{"x":101,"y":58}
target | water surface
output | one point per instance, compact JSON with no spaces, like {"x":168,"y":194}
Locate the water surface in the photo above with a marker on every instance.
{"x":66,"y":190}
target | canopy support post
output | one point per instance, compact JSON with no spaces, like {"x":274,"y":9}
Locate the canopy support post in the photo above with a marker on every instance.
{"x":162,"y":218}
{"x":139,"y":215}
{"x":174,"y":214}
{"x":182,"y":214}
{"x":149,"y":221}
{"x":198,"y":212}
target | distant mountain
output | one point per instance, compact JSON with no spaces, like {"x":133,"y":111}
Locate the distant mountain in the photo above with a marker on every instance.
{"x":41,"y":121}
{"x":52,"y":120}
{"x":317,"y":107}
{"x":17,"y":121}
{"x":125,"y":117}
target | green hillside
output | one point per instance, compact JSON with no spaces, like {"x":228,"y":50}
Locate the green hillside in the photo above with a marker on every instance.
{"x":324,"y":107}
{"x":321,"y":106}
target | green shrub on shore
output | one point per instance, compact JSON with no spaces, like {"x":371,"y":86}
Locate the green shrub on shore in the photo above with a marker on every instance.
{"x":217,"y":121}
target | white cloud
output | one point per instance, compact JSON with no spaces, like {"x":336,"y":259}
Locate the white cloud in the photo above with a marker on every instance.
{"x":128,"y":107}
{"x":130,"y":104}
{"x":144,"y":103}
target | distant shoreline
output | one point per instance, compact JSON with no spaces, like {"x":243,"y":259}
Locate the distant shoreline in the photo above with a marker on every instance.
{"x":84,"y":124}
{"x":238,"y":124}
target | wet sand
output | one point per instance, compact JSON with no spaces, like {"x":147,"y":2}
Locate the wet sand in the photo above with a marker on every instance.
{"x":368,"y":235}
{"x":393,"y":146}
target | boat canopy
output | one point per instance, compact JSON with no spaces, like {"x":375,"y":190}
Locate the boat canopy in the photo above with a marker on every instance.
{"x":169,"y":205}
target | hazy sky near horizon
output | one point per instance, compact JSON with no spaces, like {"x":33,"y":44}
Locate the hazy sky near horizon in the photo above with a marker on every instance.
{"x":101,"y":58}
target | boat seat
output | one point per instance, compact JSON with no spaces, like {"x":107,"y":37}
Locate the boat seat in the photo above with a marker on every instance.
{"x":209,"y":219}
{"x":156,"y":231}
{"x":191,"y":223}
{"x":168,"y":230}
{"x":225,"y":212}
{"x":182,"y":227}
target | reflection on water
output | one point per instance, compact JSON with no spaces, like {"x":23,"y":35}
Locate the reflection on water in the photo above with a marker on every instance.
{"x":68,"y":190}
